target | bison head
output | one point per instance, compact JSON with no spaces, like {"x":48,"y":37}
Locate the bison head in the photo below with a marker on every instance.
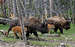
{"x":67,"y":24}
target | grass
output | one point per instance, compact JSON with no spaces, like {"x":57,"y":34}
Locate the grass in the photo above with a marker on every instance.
{"x":4,"y":27}
{"x":71,"y":32}
{"x":12,"y":40}
{"x":67,"y":34}
{"x":41,"y":43}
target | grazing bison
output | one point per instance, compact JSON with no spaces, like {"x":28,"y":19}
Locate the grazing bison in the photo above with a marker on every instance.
{"x":59,"y":23}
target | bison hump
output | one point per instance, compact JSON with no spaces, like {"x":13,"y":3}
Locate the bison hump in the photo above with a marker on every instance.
{"x":57,"y":19}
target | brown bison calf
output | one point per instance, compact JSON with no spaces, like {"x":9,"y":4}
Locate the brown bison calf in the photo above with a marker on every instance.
{"x":17,"y":30}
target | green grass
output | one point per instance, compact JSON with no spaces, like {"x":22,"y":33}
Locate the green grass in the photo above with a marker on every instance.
{"x":12,"y":40}
{"x":71,"y":32}
{"x":4,"y":27}
{"x":42,"y":43}
{"x":67,"y":34}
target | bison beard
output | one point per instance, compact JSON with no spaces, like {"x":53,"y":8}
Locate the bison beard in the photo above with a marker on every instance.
{"x":59,"y":23}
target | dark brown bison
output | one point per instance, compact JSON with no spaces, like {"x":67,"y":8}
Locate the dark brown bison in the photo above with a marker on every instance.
{"x":59,"y":23}
{"x":34,"y":28}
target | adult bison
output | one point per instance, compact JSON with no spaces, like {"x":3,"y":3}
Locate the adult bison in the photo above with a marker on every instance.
{"x":59,"y":23}
{"x":38,"y":27}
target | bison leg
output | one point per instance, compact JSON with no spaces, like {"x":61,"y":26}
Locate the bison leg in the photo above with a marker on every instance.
{"x":35,"y":33}
{"x":27,"y":35}
{"x":55,"y":29}
{"x":16,"y":35}
{"x":61,"y":30}
{"x":10,"y":28}
{"x":20,"y":35}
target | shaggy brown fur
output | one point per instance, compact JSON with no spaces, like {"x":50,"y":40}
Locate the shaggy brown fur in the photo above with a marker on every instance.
{"x":59,"y":23}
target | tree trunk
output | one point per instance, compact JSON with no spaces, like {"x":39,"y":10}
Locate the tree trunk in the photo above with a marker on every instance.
{"x":8,"y":3}
{"x":73,"y":12}
{"x":51,"y":7}
{"x":20,"y":8}
{"x":4,"y":9}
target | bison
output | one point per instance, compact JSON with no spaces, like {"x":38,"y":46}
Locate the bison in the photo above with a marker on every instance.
{"x":17,"y":30}
{"x":59,"y":23}
{"x":34,"y":28}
